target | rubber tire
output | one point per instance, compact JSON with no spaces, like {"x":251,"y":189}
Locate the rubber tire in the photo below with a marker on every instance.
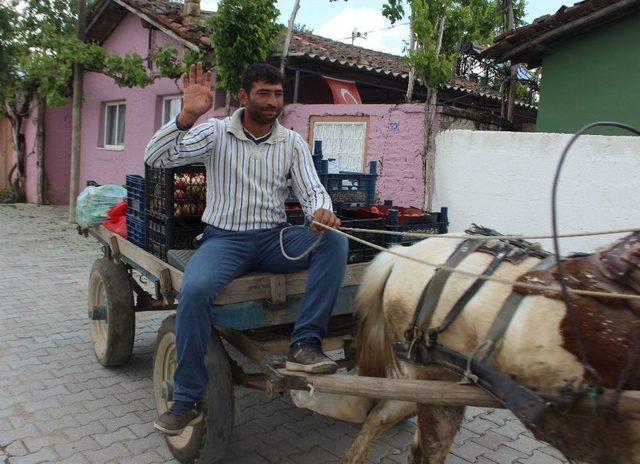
{"x":112,"y":339}
{"x":206,"y":442}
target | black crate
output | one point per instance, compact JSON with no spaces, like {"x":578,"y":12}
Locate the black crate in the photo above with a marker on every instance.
{"x":426,"y":228}
{"x":440,"y":227}
{"x":136,"y":230}
{"x":135,"y":196}
{"x":373,"y":224}
{"x":295,"y":216}
{"x":176,"y":192}
{"x":361,"y":256}
{"x":171,"y":234}
{"x":350,"y":188}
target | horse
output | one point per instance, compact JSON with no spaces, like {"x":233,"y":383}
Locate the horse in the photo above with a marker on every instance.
{"x":538,"y":349}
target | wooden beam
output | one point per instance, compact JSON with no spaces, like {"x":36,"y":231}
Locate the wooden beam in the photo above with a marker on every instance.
{"x":441,"y":393}
{"x":257,"y":286}
{"x":164,"y":29}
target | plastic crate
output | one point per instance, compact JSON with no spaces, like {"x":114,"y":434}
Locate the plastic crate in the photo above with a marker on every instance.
{"x":406,"y":216}
{"x":373,"y":224}
{"x":135,"y":195}
{"x":361,"y":256}
{"x":295,"y":216}
{"x":136,"y":230}
{"x":171,"y":234}
{"x":176,"y":192}
{"x":439,"y":227}
{"x":351,"y":187}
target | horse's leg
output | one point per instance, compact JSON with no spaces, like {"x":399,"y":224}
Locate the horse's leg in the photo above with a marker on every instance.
{"x":437,"y":426}
{"x":383,"y":415}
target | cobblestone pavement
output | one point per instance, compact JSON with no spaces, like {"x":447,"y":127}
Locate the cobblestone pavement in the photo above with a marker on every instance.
{"x":58,"y":405}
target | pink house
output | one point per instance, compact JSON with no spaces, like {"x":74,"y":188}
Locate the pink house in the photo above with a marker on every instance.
{"x":118,"y":122}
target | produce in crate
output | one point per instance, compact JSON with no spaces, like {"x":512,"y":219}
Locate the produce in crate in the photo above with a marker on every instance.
{"x":189,"y":194}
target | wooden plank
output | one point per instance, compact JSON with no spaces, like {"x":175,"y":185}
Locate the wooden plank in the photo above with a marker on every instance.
{"x":443,"y":393}
{"x":255,"y":286}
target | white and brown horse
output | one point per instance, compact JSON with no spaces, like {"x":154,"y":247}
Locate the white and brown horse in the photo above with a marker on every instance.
{"x":538,"y":350}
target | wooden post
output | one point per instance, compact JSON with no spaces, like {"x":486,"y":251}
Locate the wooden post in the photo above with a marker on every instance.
{"x":511,"y":93}
{"x":76,"y":116}
{"x":42,"y":180}
{"x":441,"y":392}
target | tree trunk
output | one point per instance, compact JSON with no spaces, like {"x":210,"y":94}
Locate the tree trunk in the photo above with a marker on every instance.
{"x":412,"y":70}
{"x":76,"y":117}
{"x":287,"y":41}
{"x":42,"y":179}
{"x":16,"y":114}
{"x":227,"y":103}
{"x":429,"y":153}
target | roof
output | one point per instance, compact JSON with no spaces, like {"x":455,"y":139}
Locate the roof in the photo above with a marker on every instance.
{"x":167,"y":15}
{"x":528,"y":44}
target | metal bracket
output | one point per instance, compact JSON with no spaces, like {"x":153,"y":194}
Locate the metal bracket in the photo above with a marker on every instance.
{"x":114,"y":249}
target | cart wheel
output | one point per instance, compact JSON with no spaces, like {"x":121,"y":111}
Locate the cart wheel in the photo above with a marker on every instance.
{"x":113,"y":320}
{"x":207,"y":441}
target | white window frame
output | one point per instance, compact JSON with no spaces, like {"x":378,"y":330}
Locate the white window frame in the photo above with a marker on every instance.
{"x":342,"y":120}
{"x":165,"y":120}
{"x":116,"y":122}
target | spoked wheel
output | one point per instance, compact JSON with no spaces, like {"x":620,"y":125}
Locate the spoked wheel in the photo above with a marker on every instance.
{"x":207,"y":441}
{"x":113,"y":319}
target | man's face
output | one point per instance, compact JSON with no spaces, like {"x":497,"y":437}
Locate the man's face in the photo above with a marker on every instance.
{"x":264,"y":102}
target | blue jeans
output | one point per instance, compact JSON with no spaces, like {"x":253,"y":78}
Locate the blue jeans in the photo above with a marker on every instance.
{"x":225,"y":255}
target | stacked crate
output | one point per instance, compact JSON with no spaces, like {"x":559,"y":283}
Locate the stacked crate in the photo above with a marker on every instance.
{"x":136,"y":210}
{"x":175,"y":201}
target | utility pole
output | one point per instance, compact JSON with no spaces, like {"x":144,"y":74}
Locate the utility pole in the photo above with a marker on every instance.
{"x":76,"y":116}
{"x":507,"y":6}
{"x":287,"y":41}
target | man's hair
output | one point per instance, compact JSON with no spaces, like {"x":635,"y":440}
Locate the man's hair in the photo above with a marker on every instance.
{"x":261,"y":72}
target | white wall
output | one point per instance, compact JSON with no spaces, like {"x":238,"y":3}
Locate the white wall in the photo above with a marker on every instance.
{"x":503,"y":180}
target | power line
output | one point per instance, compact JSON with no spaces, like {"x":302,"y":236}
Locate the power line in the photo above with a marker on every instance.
{"x":360,"y":34}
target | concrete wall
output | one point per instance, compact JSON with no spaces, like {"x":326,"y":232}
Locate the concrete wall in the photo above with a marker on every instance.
{"x":591,"y":77}
{"x":503,"y":180}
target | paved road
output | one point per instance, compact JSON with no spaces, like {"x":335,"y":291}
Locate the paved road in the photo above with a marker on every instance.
{"x":58,"y":405}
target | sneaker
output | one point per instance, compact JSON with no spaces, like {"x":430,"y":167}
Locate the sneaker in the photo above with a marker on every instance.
{"x":177,"y":418}
{"x":306,"y":356}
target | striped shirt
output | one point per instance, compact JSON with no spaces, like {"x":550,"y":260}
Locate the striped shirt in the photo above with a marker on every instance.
{"x":246,"y":182}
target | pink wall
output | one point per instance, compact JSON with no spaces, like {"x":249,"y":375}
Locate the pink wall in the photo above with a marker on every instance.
{"x":395,"y":141}
{"x":143,"y":110}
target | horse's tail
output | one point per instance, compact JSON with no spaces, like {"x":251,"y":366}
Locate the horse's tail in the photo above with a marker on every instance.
{"x":376,"y":357}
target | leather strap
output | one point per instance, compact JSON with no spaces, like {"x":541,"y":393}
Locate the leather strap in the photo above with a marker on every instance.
{"x":466,"y":297}
{"x":506,"y":313}
{"x":433,"y":290}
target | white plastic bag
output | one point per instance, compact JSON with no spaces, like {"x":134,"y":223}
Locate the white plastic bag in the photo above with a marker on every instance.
{"x":94,"y":202}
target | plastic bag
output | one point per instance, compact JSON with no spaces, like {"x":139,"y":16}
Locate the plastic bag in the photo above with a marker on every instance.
{"x":117,"y":221}
{"x":94,"y":203}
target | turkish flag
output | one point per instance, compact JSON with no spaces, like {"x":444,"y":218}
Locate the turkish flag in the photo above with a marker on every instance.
{"x":344,"y":92}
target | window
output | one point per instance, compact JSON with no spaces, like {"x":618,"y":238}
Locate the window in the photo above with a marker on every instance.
{"x":171,"y":107}
{"x":343,"y":138}
{"x":114,"y":114}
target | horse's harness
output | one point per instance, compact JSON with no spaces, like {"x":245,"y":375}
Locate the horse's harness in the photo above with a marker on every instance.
{"x":422,"y":340}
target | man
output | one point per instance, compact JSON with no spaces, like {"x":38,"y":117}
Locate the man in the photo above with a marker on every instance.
{"x":248,"y":158}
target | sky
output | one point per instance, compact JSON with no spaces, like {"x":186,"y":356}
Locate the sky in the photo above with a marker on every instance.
{"x":337,"y":20}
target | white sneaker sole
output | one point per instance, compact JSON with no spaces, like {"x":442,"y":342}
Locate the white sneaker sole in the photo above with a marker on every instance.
{"x":324,"y":367}
{"x":173,"y":433}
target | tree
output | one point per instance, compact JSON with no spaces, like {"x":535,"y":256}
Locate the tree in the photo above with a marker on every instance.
{"x":242,"y":32}
{"x":38,"y":50}
{"x":439,"y":27}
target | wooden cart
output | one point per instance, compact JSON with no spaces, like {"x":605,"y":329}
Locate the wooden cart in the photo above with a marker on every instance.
{"x":255,"y":314}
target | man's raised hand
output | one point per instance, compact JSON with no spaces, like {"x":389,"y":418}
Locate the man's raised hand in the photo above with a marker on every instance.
{"x":198,"y":97}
